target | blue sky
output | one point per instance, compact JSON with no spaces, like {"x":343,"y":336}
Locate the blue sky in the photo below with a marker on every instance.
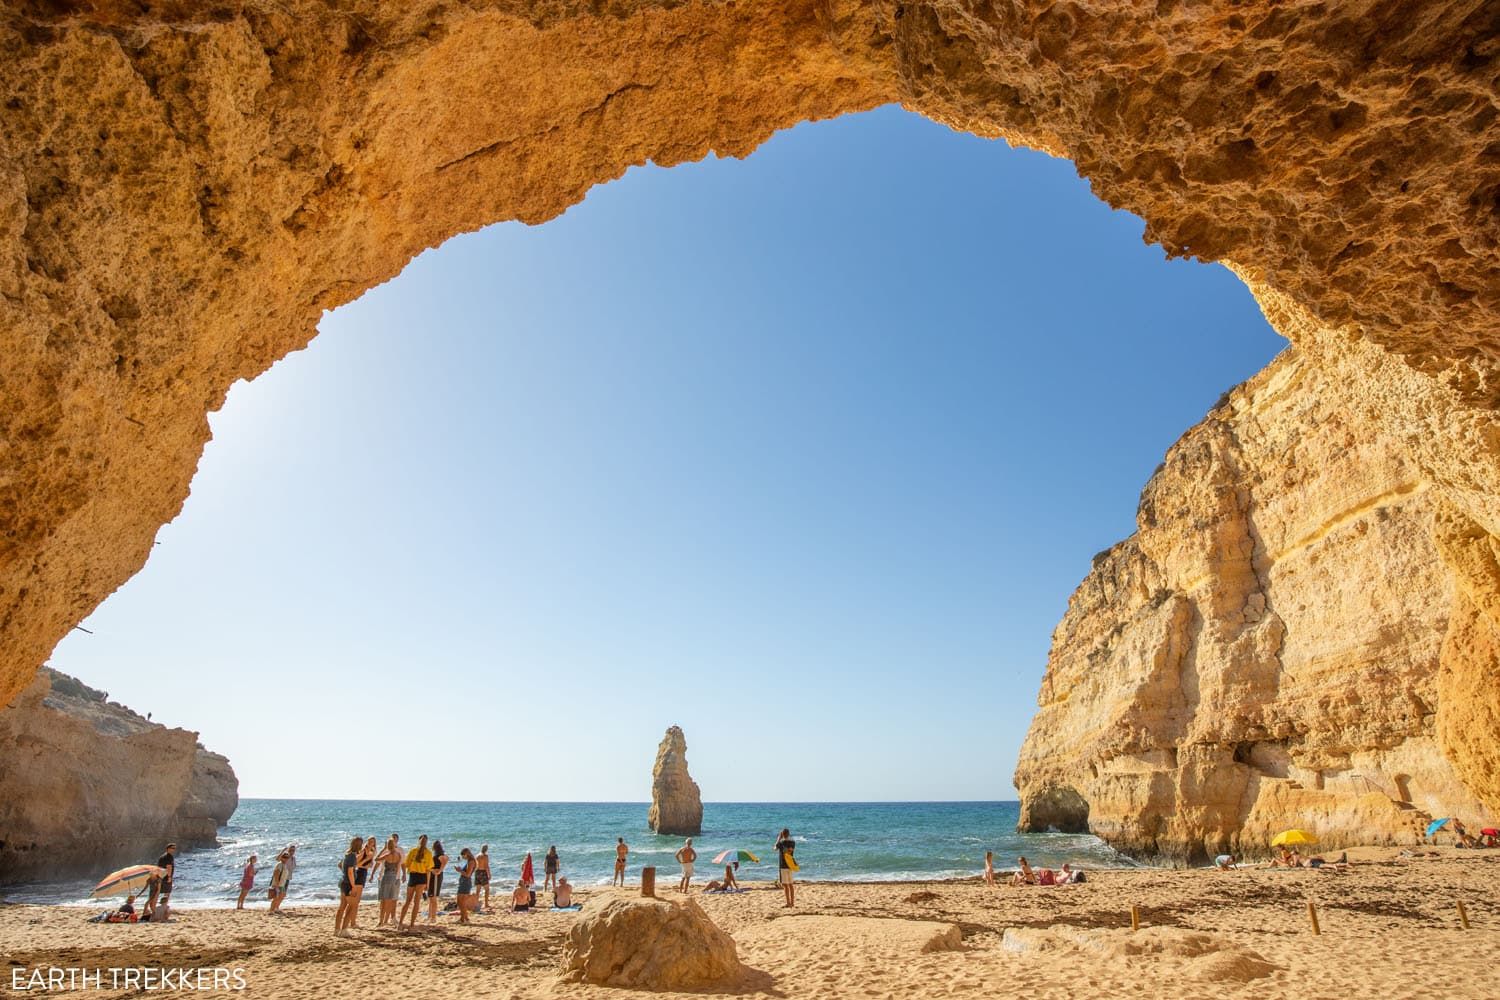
{"x":804,"y":453}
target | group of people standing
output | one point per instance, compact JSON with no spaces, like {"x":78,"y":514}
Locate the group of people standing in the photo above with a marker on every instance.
{"x":421,"y":871}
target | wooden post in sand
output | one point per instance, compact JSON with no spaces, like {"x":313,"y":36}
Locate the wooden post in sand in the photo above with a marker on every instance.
{"x":1312,"y":914}
{"x":1135,"y":918}
{"x":648,"y":881}
{"x":1463,"y":915}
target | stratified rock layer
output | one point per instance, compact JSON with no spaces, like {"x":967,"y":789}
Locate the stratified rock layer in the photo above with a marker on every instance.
{"x":87,"y":785}
{"x":185,"y":188}
{"x":676,"y":807}
{"x":1265,"y":651}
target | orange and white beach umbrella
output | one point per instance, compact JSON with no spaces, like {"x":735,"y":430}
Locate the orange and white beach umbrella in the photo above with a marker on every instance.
{"x":127,"y":880}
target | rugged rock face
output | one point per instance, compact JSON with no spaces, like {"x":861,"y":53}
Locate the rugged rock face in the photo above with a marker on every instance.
{"x":676,"y":807}
{"x":184,"y":188}
{"x":649,"y":944}
{"x":1272,"y":648}
{"x":86,"y":784}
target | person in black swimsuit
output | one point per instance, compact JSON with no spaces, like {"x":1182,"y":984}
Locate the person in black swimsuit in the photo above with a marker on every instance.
{"x":347,"y":869}
{"x":550,"y":865}
{"x":435,"y":880}
{"x":361,"y":875}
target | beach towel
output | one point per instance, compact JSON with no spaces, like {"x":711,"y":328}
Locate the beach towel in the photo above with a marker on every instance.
{"x":723,"y":892}
{"x":791,"y":863}
{"x":568,"y":909}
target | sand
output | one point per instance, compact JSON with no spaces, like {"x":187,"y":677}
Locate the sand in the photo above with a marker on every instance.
{"x":1390,"y":930}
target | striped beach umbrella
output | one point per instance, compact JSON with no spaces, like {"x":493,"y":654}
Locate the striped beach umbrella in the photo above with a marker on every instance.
{"x":126,"y":881}
{"x":726,"y":857}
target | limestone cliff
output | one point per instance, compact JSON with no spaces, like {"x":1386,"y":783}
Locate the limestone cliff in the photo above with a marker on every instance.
{"x":86,"y":784}
{"x":675,"y":805}
{"x":185,"y":188}
{"x":1268,"y":649}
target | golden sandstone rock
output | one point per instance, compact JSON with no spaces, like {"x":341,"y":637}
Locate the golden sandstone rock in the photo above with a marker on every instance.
{"x":676,"y":806}
{"x":87,"y":784}
{"x":185,"y":187}
{"x":649,"y":944}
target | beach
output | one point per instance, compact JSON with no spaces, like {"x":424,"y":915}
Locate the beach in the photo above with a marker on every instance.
{"x":1389,"y":928}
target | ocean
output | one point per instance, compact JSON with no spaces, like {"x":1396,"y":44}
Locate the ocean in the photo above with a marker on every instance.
{"x":837,"y":841}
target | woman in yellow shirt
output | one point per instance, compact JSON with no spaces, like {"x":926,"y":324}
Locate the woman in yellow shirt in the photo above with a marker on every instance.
{"x":418,"y":865}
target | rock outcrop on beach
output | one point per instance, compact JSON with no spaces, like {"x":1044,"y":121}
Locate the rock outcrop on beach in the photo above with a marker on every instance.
{"x":186,"y":188}
{"x":1272,"y":648}
{"x":649,"y":944}
{"x":86,"y":784}
{"x":676,"y":807}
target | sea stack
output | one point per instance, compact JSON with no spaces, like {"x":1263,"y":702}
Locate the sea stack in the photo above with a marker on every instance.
{"x":676,"y":807}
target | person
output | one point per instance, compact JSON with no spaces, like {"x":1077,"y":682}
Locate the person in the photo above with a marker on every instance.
{"x":435,"y":880}
{"x":786,"y":864}
{"x":277,"y":892}
{"x":724,"y":885}
{"x":291,"y":867}
{"x":482,"y":874}
{"x":346,"y":884}
{"x":363,"y":864}
{"x":685,"y":857}
{"x":1462,"y":835}
{"x":1024,"y":875}
{"x":162,"y":885}
{"x":550,"y":866}
{"x":522,"y":898}
{"x":466,"y":868}
{"x":418,"y":864}
{"x":1283,"y":858}
{"x":621,"y":851}
{"x":390,"y":880}
{"x":247,"y":882}
{"x":1068,"y":875}
{"x":562,"y":893}
{"x":126,"y":912}
{"x":989,"y":867}
{"x":1224,"y":862}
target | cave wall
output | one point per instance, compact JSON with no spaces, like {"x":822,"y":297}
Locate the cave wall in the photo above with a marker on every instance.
{"x":185,"y":187}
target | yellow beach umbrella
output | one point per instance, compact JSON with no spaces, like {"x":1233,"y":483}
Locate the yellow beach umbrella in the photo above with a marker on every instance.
{"x":1291,"y":838}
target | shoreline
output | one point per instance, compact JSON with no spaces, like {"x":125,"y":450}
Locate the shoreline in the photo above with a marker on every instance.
{"x":1389,"y":927}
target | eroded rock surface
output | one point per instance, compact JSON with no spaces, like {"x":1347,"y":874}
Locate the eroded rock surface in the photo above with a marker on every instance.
{"x":184,"y":188}
{"x":676,"y":806}
{"x":649,"y":944}
{"x":86,"y":784}
{"x":1273,"y":647}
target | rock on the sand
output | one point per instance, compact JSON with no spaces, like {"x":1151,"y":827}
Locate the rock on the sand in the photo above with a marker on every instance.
{"x":1203,"y":957}
{"x":649,"y":944}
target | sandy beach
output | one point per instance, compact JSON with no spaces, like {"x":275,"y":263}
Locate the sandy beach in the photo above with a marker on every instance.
{"x":1390,"y":928}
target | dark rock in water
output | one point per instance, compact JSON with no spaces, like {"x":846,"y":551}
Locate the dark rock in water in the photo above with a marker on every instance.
{"x":87,"y":785}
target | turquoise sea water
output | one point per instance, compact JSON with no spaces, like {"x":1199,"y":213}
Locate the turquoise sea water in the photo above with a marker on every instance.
{"x":843,"y":841}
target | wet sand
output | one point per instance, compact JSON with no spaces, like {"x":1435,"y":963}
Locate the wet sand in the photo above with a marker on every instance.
{"x":1390,"y":929}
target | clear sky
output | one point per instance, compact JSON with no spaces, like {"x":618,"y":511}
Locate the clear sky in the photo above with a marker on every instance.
{"x":804,"y":453}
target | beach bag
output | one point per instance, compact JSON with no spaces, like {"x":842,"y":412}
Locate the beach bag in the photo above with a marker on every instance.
{"x":1078,"y":876}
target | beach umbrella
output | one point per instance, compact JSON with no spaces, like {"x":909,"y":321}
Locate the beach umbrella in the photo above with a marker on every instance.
{"x":528,"y":873}
{"x":1489,"y":831}
{"x":1437,"y":825}
{"x":1293,"y":838}
{"x":126,"y":881}
{"x":727,"y":857}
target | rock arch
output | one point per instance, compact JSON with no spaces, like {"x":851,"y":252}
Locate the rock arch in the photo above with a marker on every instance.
{"x":185,"y":187}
